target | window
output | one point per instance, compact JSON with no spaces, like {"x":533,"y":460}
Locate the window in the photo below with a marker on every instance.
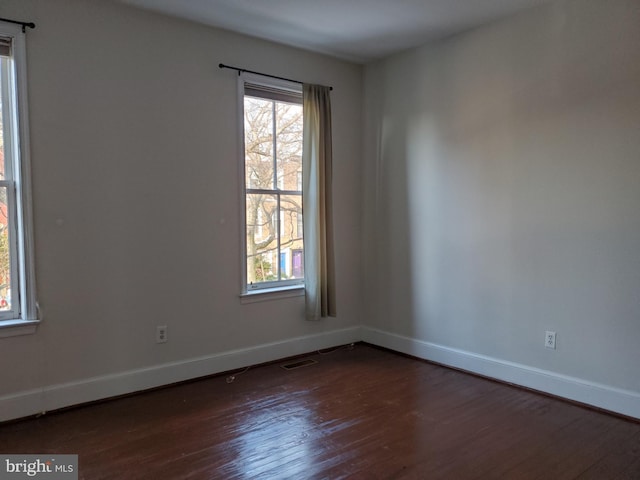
{"x":17,"y":292}
{"x":272,"y":112}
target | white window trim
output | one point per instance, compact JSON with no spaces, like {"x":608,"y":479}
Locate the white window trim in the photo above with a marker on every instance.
{"x":266,"y":294}
{"x":29,"y":314}
{"x":283,"y":289}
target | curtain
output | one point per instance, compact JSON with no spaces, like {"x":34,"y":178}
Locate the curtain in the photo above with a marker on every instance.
{"x":317,"y":204}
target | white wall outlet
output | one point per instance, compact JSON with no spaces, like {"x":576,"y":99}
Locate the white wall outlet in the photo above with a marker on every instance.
{"x":161,"y":334}
{"x":550,"y":339}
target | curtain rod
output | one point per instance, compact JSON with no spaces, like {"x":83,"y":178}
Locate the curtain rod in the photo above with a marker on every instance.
{"x":240,"y":70}
{"x":17,"y":22}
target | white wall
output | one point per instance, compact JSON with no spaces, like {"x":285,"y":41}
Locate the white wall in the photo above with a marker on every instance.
{"x":135,"y":173}
{"x":502,"y":199}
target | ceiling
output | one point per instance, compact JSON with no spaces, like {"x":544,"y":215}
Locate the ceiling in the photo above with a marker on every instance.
{"x":355,"y":30}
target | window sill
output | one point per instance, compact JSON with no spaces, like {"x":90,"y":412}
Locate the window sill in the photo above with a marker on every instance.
{"x":268,"y":294}
{"x":14,"y":328}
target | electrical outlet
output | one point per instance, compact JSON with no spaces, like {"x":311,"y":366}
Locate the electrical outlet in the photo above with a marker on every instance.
{"x":550,"y":339}
{"x":161,"y":334}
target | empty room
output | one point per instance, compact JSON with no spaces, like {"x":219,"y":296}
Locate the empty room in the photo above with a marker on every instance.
{"x":320,"y":240}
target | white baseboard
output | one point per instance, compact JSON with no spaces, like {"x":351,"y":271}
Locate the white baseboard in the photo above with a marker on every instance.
{"x":606,"y":397}
{"x":52,"y":397}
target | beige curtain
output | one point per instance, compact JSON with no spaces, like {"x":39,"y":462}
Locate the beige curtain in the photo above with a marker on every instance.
{"x":317,"y":204}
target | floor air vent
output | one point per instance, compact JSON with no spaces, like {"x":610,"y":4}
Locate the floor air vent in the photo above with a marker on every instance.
{"x":299,"y":364}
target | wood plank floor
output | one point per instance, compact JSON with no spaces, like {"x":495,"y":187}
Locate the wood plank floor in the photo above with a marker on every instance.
{"x":359,"y":413}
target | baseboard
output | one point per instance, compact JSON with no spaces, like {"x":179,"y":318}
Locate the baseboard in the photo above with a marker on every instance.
{"x":606,"y":397}
{"x":53,"y":397}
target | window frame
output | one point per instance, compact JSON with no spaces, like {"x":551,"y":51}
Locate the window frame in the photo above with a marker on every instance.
{"x":277,"y":288}
{"x":24,"y":318}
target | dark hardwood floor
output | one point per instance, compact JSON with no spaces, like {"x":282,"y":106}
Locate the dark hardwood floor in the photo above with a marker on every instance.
{"x":360,"y":413}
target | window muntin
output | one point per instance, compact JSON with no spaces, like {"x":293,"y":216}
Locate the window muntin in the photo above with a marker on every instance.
{"x":17,"y":285}
{"x":272,"y":192}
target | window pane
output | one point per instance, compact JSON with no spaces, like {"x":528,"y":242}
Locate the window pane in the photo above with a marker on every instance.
{"x":258,"y":143}
{"x":289,"y":144}
{"x":5,"y":257}
{"x":273,"y":166}
{"x":262,"y":238}
{"x":291,"y":233}
{"x":17,"y":282}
